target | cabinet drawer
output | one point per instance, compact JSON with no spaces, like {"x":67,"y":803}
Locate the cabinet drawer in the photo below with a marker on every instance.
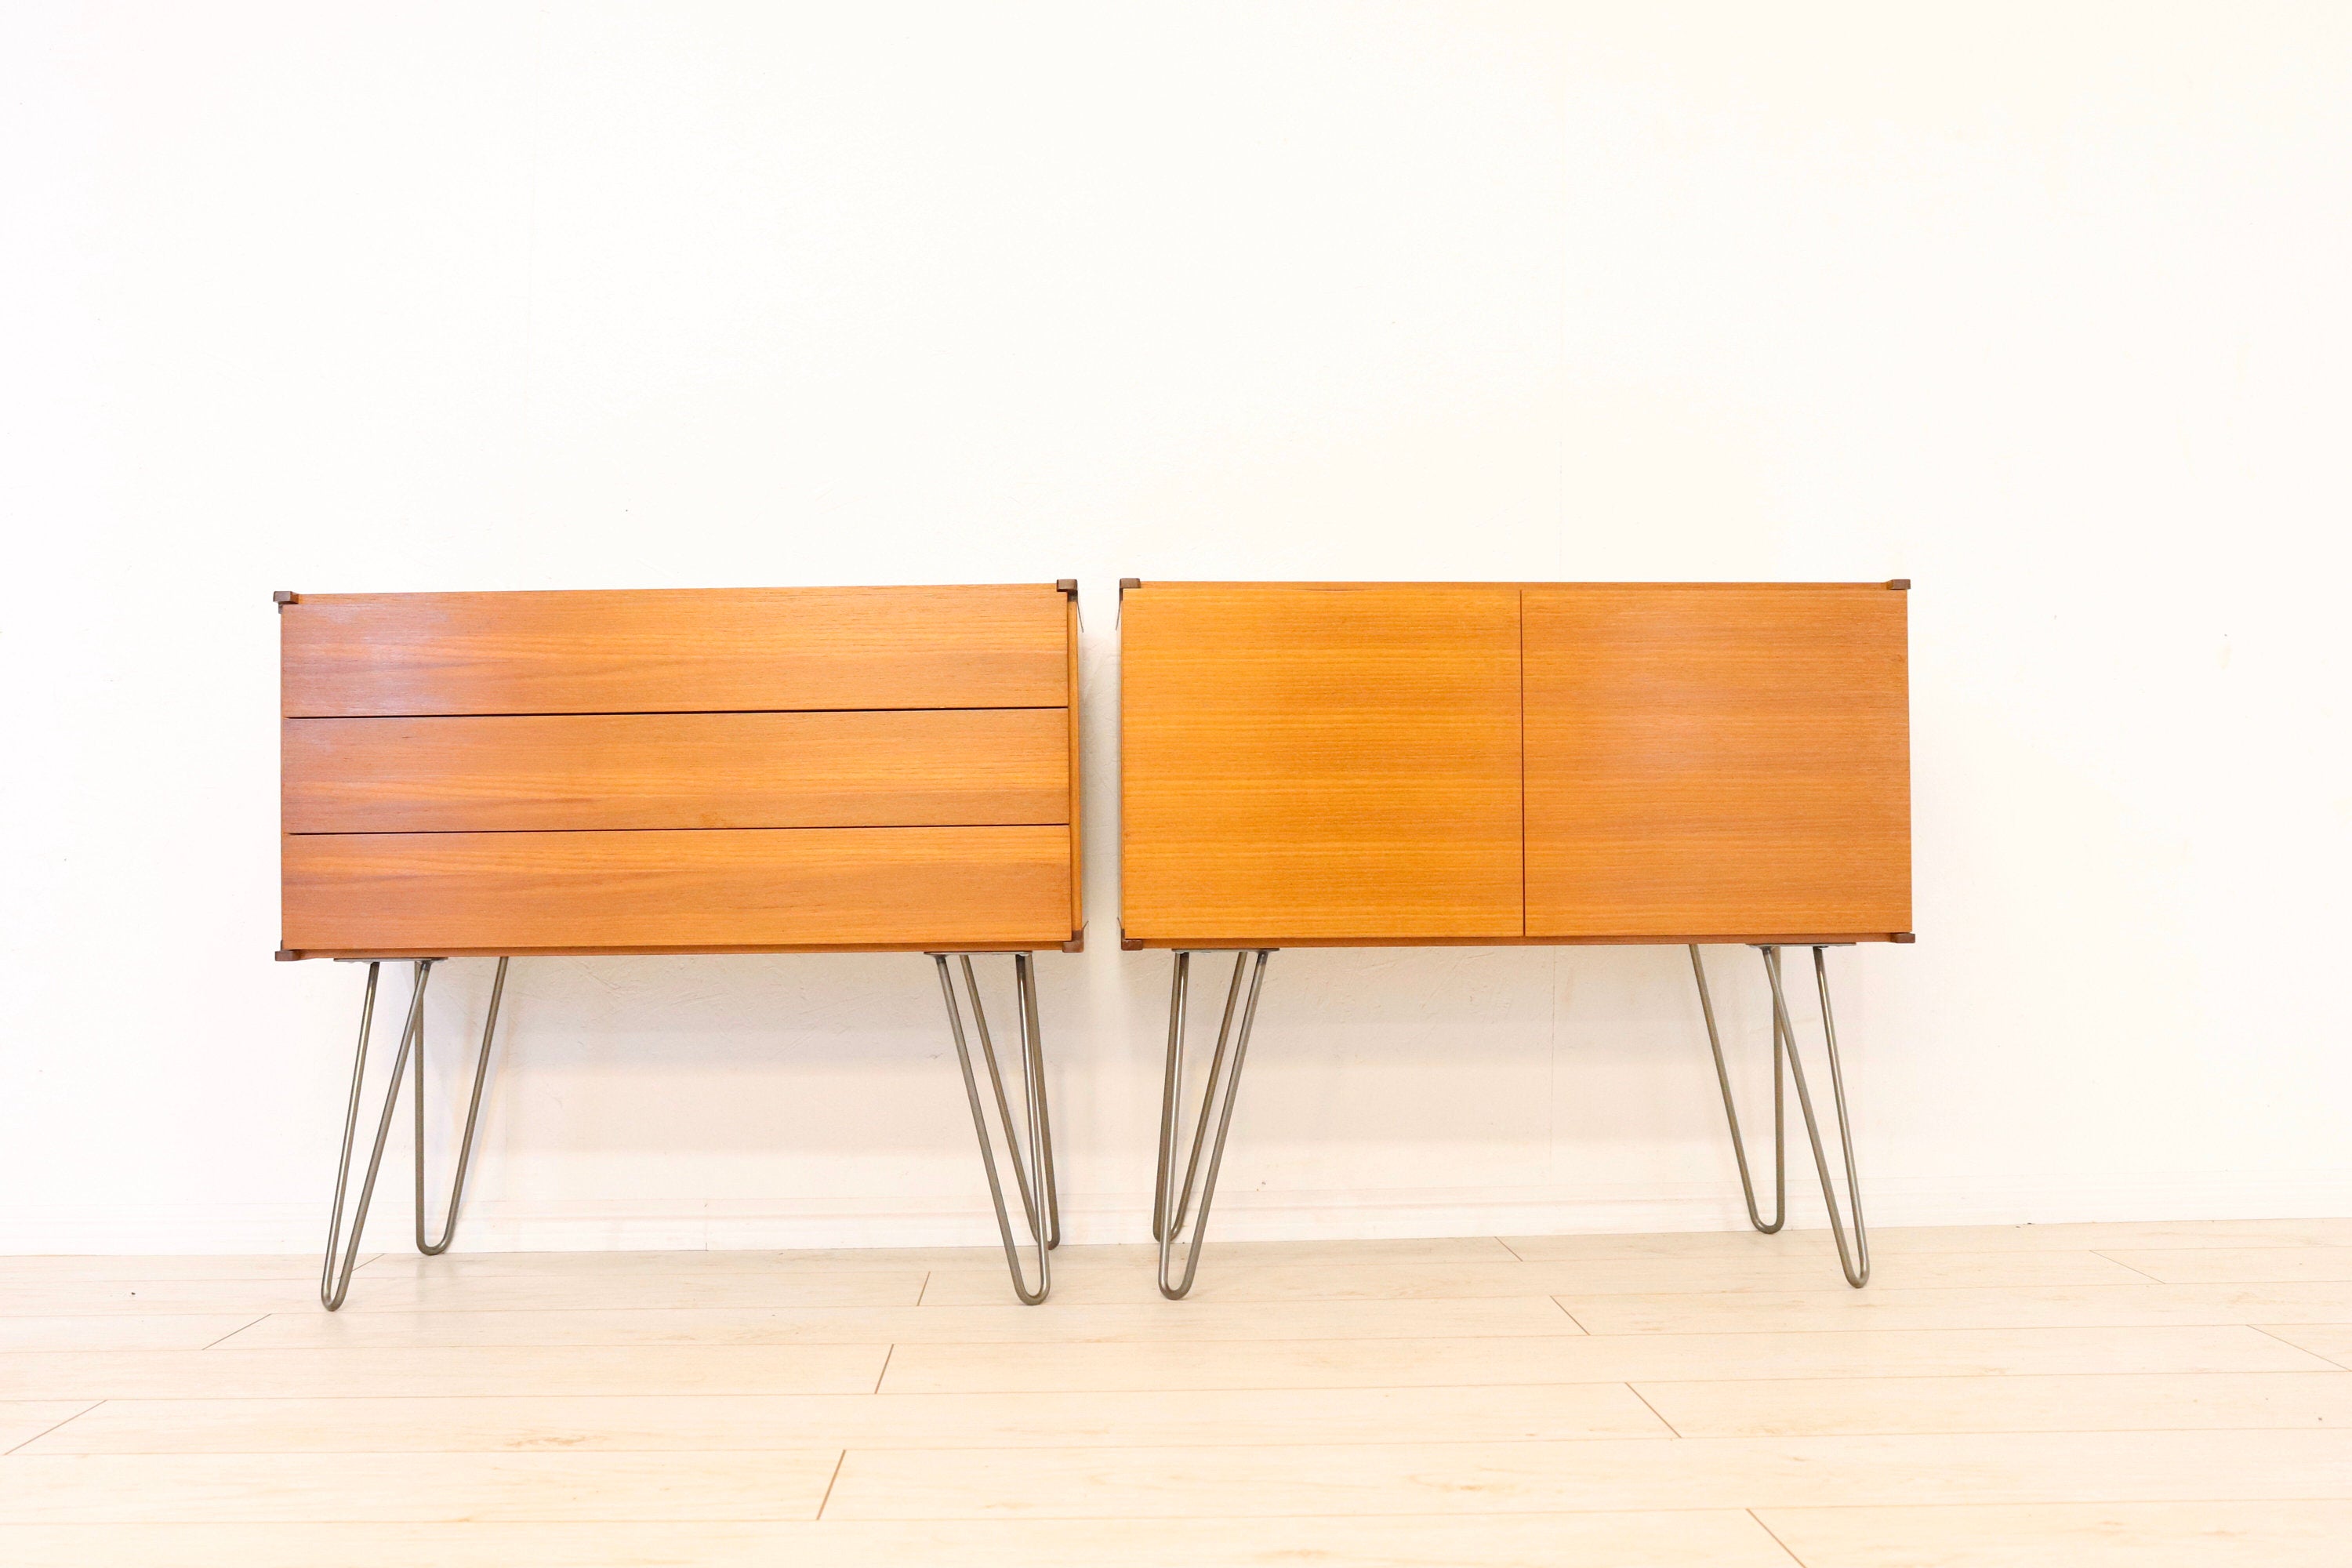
{"x":392,"y":893}
{"x":674,"y":651}
{"x":886,"y":769}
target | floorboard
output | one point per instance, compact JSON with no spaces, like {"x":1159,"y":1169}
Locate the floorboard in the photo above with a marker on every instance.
{"x":2162,"y":1395}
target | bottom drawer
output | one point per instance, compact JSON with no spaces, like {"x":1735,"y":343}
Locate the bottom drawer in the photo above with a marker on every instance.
{"x":662,"y":891}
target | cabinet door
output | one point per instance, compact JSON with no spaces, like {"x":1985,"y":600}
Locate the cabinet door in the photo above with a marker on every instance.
{"x":1722,"y":760}
{"x":1319,"y":762}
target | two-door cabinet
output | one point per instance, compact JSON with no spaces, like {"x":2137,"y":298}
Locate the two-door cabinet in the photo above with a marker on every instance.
{"x":712,"y":770}
{"x":1393,"y":764}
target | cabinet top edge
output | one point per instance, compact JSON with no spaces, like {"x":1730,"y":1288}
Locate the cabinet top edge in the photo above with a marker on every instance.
{"x":1065,"y":587}
{"x":1133,"y":585}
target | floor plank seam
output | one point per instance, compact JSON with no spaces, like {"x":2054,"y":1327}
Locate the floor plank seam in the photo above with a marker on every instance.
{"x":46,"y":1431}
{"x":1186,"y":1389}
{"x":1099,"y":1445}
{"x":233,"y":1333}
{"x":2269,"y":1333}
{"x":840,"y":1459}
{"x":2121,"y":1264}
{"x":2326,"y":1369}
{"x":879,"y":1376}
{"x":1654,"y":1409}
{"x":1886,"y":1329}
{"x":1776,"y":1539}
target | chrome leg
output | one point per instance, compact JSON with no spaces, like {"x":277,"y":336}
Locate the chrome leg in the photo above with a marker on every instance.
{"x":1026,"y":973}
{"x":335,"y":1275}
{"x":335,"y":1282}
{"x":473,"y":1114}
{"x":1208,"y":1100}
{"x":1038,"y":1181}
{"x":1026,"y":999}
{"x":1731,"y":1111}
{"x":1170,"y":1205}
{"x":1854,"y":1261}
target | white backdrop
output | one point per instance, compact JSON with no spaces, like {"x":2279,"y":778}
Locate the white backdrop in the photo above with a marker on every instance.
{"x":2044,"y":307}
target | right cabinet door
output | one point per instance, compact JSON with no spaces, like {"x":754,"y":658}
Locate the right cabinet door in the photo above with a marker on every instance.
{"x":1727,"y":760}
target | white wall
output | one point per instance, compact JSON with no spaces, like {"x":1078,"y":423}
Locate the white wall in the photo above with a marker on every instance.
{"x":2043,"y":307}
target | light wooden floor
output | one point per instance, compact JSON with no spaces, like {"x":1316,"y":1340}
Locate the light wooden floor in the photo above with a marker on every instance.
{"x":2077,"y":1395}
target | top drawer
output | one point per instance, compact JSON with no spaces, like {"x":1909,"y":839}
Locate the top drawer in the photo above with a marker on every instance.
{"x":674,"y":651}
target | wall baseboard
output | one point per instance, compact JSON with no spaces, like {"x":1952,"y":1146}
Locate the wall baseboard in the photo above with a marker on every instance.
{"x":633,"y":1226}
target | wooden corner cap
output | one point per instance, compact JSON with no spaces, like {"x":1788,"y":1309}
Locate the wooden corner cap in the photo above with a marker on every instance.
{"x":1904,"y":936}
{"x":1127,"y":583}
{"x":1900,"y":584}
{"x":1128,"y":944}
{"x":1067,"y":585}
{"x":287,"y":955}
{"x":1077,"y":943}
{"x":282,"y":598}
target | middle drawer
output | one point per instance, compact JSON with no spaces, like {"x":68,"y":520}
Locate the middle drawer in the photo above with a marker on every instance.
{"x":925,"y":768}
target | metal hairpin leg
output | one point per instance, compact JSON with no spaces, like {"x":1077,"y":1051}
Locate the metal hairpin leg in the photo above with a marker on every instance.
{"x":334,"y":1278}
{"x":1171,"y":1204}
{"x":1731,"y":1111}
{"x":466,"y":1139}
{"x":1854,"y":1259}
{"x":1037,"y":1180}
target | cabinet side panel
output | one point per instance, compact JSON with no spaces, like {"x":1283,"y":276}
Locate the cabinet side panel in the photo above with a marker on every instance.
{"x":1078,"y":787}
{"x":1719,"y":759}
{"x":1334,"y":761}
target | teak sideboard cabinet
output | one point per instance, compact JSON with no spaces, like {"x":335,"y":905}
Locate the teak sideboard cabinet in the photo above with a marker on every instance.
{"x":713,"y":771}
{"x":1367,"y":764}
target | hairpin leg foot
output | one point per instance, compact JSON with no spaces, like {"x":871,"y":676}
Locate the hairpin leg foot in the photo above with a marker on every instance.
{"x":1035,"y":1182}
{"x":335,"y":1273}
{"x":1171,"y":1203}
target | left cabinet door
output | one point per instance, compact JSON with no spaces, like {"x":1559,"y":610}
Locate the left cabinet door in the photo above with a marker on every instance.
{"x":1319,"y":762}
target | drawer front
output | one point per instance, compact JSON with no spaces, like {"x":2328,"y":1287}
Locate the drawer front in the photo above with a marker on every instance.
{"x":1314,"y":762}
{"x":684,"y":650}
{"x":572,"y":772}
{"x":438,"y":893}
{"x":1722,"y":760}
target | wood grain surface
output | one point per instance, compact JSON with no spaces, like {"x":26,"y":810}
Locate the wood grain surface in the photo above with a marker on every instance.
{"x":677,"y":892}
{"x":674,"y":651}
{"x":1313,"y":760}
{"x":965,"y":767}
{"x":666,"y":771}
{"x":1716,"y":757}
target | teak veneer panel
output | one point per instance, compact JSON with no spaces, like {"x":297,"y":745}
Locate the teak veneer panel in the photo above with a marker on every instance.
{"x":1320,"y":762}
{"x":674,"y":651}
{"x":677,"y":892}
{"x":1729,"y":758}
{"x":571,"y":771}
